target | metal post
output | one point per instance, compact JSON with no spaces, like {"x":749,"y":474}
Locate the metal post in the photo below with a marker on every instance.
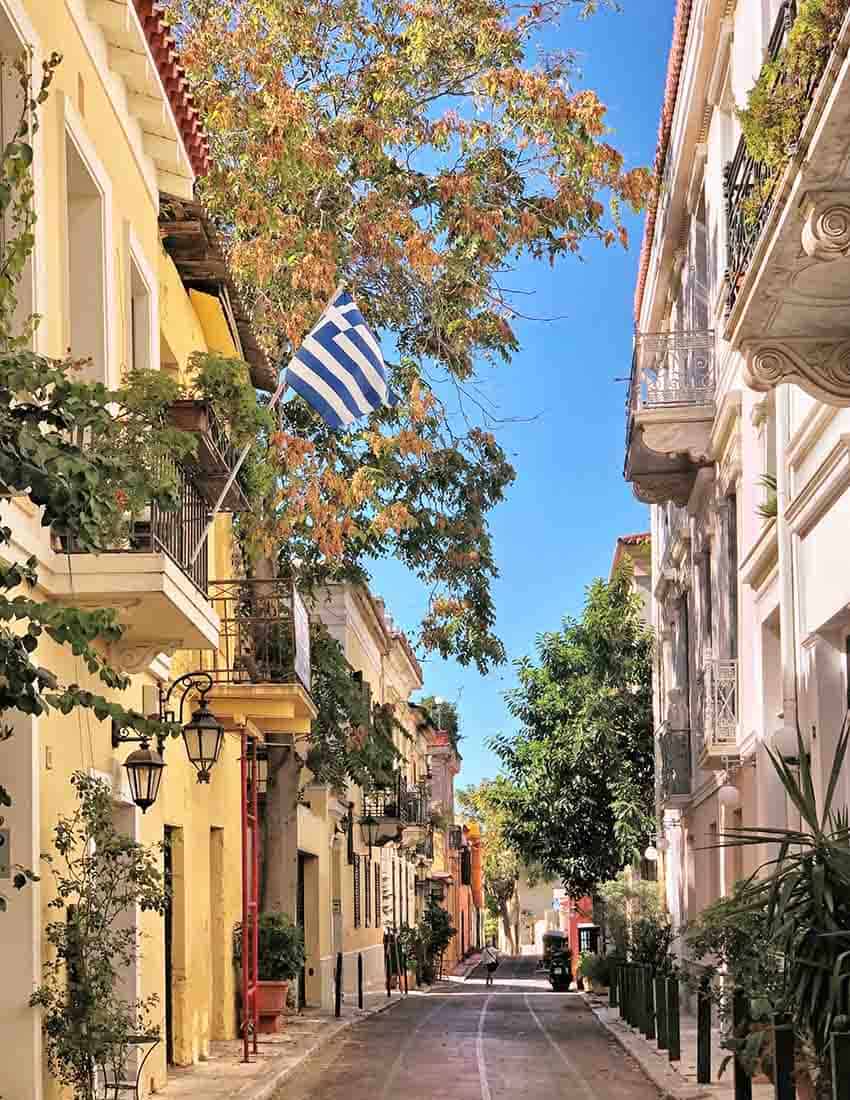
{"x":674,"y":1051}
{"x":840,"y":1058}
{"x":648,"y":1007}
{"x":403,"y":962}
{"x":661,"y":1011}
{"x":783,"y":1058}
{"x":740,"y":1015}
{"x":704,"y":1034}
{"x":387,"y":963}
{"x":640,"y":1022}
{"x":613,"y":999}
{"x":338,"y":991}
{"x":360,"y":980}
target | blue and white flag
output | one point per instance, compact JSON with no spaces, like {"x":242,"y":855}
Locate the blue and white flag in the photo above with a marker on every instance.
{"x":339,"y":369}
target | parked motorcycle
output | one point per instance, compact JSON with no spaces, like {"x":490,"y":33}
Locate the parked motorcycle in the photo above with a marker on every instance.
{"x":560,"y":971}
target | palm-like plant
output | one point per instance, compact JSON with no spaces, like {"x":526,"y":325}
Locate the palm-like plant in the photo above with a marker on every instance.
{"x":805,"y":890}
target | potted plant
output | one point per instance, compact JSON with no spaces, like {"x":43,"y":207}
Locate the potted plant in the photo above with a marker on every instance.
{"x":595,"y":970}
{"x":280,"y":956}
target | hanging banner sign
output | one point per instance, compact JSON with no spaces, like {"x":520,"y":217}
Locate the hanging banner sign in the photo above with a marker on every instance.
{"x":301,"y":627}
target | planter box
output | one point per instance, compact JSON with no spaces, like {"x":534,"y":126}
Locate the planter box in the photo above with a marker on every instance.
{"x":271,"y":1006}
{"x":214,"y":455}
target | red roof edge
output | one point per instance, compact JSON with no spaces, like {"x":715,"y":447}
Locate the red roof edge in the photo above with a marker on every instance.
{"x":681,"y":23}
{"x":635,"y":540}
{"x":164,"y":52}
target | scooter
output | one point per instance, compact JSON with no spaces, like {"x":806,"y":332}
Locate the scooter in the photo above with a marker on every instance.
{"x":560,"y":972}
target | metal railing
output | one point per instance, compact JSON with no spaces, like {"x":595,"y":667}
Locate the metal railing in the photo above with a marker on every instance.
{"x":257,"y":639}
{"x":720,"y":706}
{"x":675,"y":751}
{"x":673,"y":368}
{"x":175,"y":532}
{"x":749,"y":185}
{"x":410,"y":805}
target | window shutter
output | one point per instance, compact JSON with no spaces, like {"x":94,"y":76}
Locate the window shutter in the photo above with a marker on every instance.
{"x":357,"y":891}
{"x":367,"y":890}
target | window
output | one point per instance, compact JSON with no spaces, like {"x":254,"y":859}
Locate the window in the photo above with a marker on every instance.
{"x":395,"y":895}
{"x":379,"y":916}
{"x":350,"y":838}
{"x":140,"y":319}
{"x":733,"y":575}
{"x":357,"y":914}
{"x":86,"y":300}
{"x":368,"y":890}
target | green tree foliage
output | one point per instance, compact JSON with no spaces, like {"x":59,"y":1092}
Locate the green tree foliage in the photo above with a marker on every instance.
{"x":500,"y":864}
{"x":578,"y":799}
{"x":415,"y":152}
{"x":445,"y":717}
{"x":627,"y":900}
{"x":99,"y":874}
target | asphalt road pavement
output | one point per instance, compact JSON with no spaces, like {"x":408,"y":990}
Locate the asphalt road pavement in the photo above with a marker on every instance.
{"x":464,"y":1041}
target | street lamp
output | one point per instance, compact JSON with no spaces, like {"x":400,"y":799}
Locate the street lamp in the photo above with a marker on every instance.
{"x":369,"y":826}
{"x":203,"y":737}
{"x":144,"y":766}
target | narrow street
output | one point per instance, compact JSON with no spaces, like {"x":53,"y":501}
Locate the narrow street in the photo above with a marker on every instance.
{"x":467,"y":1042}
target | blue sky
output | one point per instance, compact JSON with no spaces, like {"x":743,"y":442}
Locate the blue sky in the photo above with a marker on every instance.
{"x":556,"y":531}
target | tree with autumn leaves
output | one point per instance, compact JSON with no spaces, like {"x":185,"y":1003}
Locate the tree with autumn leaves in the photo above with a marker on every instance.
{"x":407,"y":149}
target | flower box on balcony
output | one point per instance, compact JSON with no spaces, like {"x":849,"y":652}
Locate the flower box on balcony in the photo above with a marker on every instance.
{"x":214,"y":456}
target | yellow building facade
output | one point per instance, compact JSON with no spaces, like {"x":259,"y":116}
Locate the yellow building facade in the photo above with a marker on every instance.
{"x":115,"y":136}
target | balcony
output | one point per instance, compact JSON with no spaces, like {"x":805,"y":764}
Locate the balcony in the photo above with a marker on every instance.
{"x":215,"y":456}
{"x":788,"y":234}
{"x":670,"y":414}
{"x":149,"y":578}
{"x":675,"y":753}
{"x":720,"y":711}
{"x":262,"y":667}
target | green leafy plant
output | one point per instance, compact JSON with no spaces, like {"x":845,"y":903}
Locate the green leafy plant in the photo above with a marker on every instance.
{"x":436,"y":933}
{"x":651,"y":940}
{"x":623,"y":902}
{"x":280,"y":953}
{"x":595,"y":967}
{"x":99,"y":875}
{"x":803,"y":896}
{"x":778,"y":102}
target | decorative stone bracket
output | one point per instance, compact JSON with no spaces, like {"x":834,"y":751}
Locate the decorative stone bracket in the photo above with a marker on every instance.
{"x":820,"y":367}
{"x":826,"y":229}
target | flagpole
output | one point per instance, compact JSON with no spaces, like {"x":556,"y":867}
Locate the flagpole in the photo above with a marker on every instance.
{"x":276,"y":396}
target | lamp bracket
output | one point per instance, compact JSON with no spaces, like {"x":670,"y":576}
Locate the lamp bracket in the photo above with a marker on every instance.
{"x":200,"y":682}
{"x":120,"y":737}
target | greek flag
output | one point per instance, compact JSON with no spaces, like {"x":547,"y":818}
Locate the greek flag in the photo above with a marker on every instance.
{"x":339,"y":369}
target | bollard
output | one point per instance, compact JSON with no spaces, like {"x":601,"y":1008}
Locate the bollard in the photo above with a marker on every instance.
{"x":648,"y":1006}
{"x":618,"y":983}
{"x":661,"y":1011}
{"x":360,"y":981}
{"x":840,"y":1058}
{"x":674,"y":1052}
{"x":639,"y":1020}
{"x":403,"y":962}
{"x":338,"y":990}
{"x":704,"y":1034}
{"x":783,"y":1058}
{"x":627,"y":993}
{"x":387,"y":964}
{"x":740,"y":1016}
{"x":613,"y":999}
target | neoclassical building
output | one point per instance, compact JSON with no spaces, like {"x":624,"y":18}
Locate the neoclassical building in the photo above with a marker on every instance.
{"x":739,"y":436}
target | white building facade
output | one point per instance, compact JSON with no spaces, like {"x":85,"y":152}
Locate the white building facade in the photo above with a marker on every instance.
{"x":739,"y":438}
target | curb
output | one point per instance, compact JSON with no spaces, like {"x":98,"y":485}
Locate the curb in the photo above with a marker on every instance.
{"x":273,"y":1082}
{"x":660,"y":1073}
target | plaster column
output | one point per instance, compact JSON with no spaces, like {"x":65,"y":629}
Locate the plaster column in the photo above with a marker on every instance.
{"x":20,"y":942}
{"x":280,"y":850}
{"x":787,"y":623}
{"x":725,"y":640}
{"x":673,"y":866}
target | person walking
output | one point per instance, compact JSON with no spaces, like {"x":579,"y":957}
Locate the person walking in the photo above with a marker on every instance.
{"x":491,"y":961}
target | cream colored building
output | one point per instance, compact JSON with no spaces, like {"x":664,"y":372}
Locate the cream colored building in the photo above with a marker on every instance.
{"x":740,"y":373}
{"x":114,"y":163}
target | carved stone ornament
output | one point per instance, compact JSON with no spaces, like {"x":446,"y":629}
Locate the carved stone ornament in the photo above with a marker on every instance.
{"x":133,"y":657}
{"x":826,"y":230}
{"x":820,"y":367}
{"x":661,"y":488}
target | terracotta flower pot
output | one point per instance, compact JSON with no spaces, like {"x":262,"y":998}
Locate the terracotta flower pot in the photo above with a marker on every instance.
{"x":271,"y":1006}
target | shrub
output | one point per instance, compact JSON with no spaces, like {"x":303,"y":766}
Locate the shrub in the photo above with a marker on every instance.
{"x":281,"y":948}
{"x":597,"y":968}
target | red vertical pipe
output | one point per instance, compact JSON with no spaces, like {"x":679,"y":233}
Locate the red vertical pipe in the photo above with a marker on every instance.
{"x":247,"y":945}
{"x":255,"y":884}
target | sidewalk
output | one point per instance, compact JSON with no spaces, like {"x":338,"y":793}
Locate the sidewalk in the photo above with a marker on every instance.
{"x":224,"y":1075}
{"x":465,"y":968}
{"x":677,"y":1080}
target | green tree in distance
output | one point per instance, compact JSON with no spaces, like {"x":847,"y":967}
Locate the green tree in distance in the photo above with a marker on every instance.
{"x":500,"y":863}
{"x":579,"y":786}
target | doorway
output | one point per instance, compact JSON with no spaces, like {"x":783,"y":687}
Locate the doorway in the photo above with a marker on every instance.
{"x":299,"y":920}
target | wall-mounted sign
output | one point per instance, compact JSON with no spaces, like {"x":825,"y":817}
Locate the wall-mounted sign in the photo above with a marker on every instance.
{"x":301,"y":625}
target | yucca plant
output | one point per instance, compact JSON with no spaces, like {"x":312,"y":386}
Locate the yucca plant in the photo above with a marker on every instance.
{"x":769,"y":508}
{"x":805,"y":892}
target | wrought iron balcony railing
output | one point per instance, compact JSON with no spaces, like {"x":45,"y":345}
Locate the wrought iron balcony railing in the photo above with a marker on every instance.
{"x":749,"y":186}
{"x":390,"y":802}
{"x":672,"y":369}
{"x":720,"y":708}
{"x":215,"y":456}
{"x":263,"y":634}
{"x":174,"y":532}
{"x":675,"y":751}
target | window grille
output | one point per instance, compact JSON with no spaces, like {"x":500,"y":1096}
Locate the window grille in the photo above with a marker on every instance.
{"x":357,"y":914}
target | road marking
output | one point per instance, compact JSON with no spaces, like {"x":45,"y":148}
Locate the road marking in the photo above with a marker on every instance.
{"x":479,"y":1053}
{"x":568,"y":1062}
